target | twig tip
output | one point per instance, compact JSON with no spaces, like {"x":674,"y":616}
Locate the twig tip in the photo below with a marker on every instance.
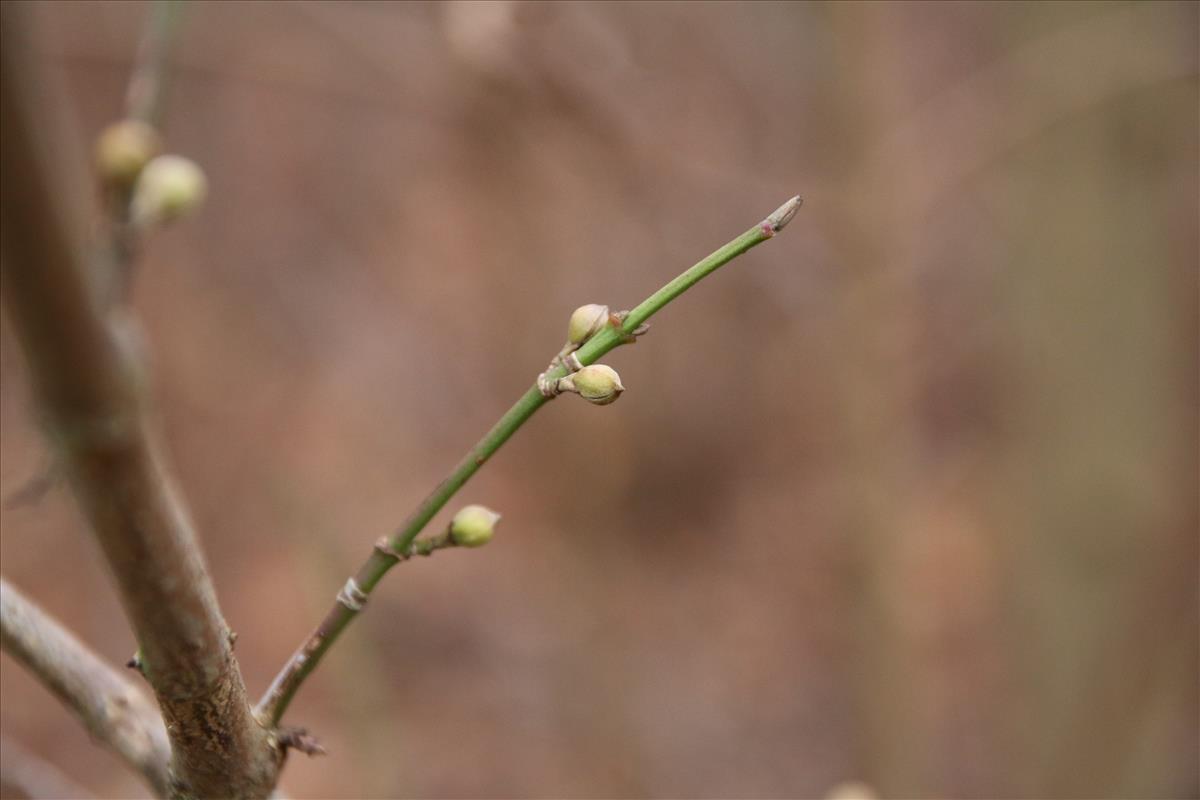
{"x":781,"y":216}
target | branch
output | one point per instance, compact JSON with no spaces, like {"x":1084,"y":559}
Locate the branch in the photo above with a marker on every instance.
{"x":115,"y":711}
{"x":88,"y":388}
{"x":147,"y":84}
{"x":25,"y":774}
{"x":622,"y":329}
{"x":119,"y":240}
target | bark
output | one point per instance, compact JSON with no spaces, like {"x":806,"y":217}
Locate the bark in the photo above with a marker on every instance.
{"x":114,"y":710}
{"x":91,"y":399}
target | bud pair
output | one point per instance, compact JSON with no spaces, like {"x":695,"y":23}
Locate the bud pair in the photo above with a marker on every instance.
{"x":163,"y":187}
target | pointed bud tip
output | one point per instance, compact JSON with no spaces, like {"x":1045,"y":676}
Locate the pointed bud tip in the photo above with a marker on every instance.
{"x":598,"y":384}
{"x":473,"y":526}
{"x":783,"y":215}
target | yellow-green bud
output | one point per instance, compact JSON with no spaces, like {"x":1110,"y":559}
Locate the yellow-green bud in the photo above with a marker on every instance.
{"x":123,"y":149}
{"x":168,"y":188}
{"x":596,"y":383}
{"x":473,"y":526}
{"x":586,"y":322}
{"x":852,"y":790}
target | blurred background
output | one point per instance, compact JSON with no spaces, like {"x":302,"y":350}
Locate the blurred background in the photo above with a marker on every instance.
{"x":906,"y":496}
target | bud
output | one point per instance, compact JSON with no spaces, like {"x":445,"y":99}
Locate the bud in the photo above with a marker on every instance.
{"x":137,"y":663}
{"x":473,"y":526}
{"x":122,"y":150}
{"x":586,"y":322}
{"x":597,"y":384}
{"x":852,"y":790}
{"x":168,"y":188}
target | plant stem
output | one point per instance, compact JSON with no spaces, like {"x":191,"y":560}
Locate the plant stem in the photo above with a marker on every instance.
{"x":119,"y":241}
{"x":392,"y":550}
{"x":88,"y":387}
{"x":115,"y":712}
{"x":147,"y":84}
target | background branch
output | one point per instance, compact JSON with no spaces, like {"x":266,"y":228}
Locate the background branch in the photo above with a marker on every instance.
{"x":88,"y":391}
{"x":148,"y":83}
{"x":389,"y":552}
{"x":114,"y":710}
{"x":24,"y":774}
{"x":119,"y":239}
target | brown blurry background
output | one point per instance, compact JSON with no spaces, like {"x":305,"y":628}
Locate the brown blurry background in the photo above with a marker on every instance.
{"x":907,"y":495}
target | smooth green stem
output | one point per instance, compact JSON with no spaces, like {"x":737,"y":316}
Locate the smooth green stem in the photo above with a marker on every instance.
{"x":396,"y":548}
{"x":426,"y":547}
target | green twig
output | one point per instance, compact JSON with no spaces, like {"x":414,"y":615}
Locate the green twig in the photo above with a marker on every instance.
{"x":390,"y":551}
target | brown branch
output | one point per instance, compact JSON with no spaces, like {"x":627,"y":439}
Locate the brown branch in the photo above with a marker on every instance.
{"x":116,"y":712}
{"x":25,"y":774}
{"x":88,"y":390}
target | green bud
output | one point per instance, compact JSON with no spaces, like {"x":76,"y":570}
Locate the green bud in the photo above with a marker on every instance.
{"x":597,"y":384}
{"x":586,"y":322}
{"x":473,"y":526}
{"x":123,"y":149}
{"x":168,"y":188}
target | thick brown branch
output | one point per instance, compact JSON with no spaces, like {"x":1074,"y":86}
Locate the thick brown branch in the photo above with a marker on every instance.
{"x":115,"y":711}
{"x":89,"y":394}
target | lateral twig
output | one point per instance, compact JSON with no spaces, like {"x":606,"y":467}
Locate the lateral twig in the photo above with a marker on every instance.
{"x":621,"y":330}
{"x":147,"y":84}
{"x":115,"y":712}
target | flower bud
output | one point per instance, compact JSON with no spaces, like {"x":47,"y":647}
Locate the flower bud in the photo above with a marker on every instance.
{"x":168,"y":188}
{"x":473,"y":526}
{"x":586,"y":321}
{"x":852,"y":790}
{"x":123,"y":149}
{"x":597,"y":384}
